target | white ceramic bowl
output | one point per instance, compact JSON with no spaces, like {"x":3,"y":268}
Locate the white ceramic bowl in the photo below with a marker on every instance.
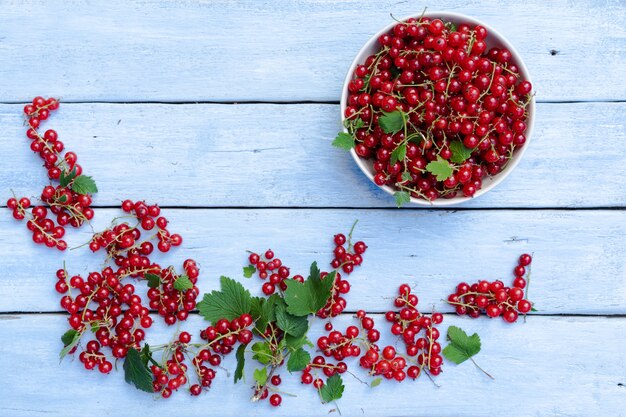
{"x":494,"y":39}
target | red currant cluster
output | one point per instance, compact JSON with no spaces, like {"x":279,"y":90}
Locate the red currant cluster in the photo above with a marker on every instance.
{"x":422,"y":352}
{"x":44,"y":230}
{"x":115,"y":326}
{"x":123,"y":237}
{"x":408,"y":322}
{"x":220,"y":339}
{"x":319,"y":367}
{"x":70,"y":201}
{"x":271,"y":267}
{"x":171,"y":302}
{"x":109,"y":306}
{"x":462,"y":105}
{"x":173,"y":375}
{"x":345,"y":258}
{"x":493,"y":298}
{"x":340,"y":345}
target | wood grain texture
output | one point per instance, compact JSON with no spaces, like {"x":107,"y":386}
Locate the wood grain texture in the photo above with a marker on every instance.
{"x":158,"y":50}
{"x":265,"y":155}
{"x":549,"y":366}
{"x":579,"y":265}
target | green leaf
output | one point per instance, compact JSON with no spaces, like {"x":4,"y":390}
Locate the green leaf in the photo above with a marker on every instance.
{"x":146,"y":356}
{"x":533,"y":309}
{"x":402,"y":197}
{"x":231,"y":302}
{"x":62,"y":199}
{"x":70,"y":339}
{"x":136,"y":372}
{"x":451,"y":26}
{"x":263,"y":311}
{"x":296,"y":326}
{"x":398,"y":154}
{"x":344,"y":141}
{"x":65,"y":179}
{"x":298,"y":360}
{"x":461,"y":346}
{"x":440,"y":168}
{"x":94,"y":326}
{"x":406,"y":176}
{"x":183,"y":283}
{"x":295,"y":343}
{"x":391,"y":122}
{"x":262,"y":352}
{"x":154,"y":280}
{"x":333,"y":389}
{"x":260,"y":376}
{"x":459,"y":152}
{"x":376,"y":382}
{"x":307,"y":298}
{"x":241,"y":361}
{"x":84,"y":185}
{"x":248,"y":271}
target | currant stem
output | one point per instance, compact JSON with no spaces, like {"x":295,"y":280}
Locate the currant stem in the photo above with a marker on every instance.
{"x":485,"y":372}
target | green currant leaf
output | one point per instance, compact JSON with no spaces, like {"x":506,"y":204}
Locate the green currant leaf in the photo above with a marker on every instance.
{"x":459,"y":152}
{"x":136,"y":372}
{"x":402,"y":197}
{"x":295,"y":343}
{"x":461,"y":346}
{"x":440,"y":168}
{"x":298,"y":360}
{"x":230,"y":302}
{"x":376,"y":382}
{"x":398,"y":154}
{"x":248,"y":271}
{"x":66,"y":178}
{"x":392,"y":122}
{"x":260,"y":376}
{"x":262,"y":352}
{"x":183,"y":283}
{"x":70,"y":339}
{"x":406,"y":176}
{"x":333,"y":389}
{"x":241,"y":361}
{"x":84,"y":185}
{"x":344,"y":141}
{"x":154,"y":280}
{"x":263,"y":311}
{"x":296,"y":326}
{"x":307,"y":298}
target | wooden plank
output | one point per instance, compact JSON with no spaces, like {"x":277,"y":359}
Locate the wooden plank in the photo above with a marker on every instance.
{"x":275,"y":50}
{"x":579,"y":255}
{"x":280,"y":155}
{"x":549,"y":366}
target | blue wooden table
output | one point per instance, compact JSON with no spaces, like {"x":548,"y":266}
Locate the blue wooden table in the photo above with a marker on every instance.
{"x":224,"y":111}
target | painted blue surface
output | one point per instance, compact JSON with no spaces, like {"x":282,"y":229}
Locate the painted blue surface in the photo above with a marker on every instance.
{"x":261,"y":175}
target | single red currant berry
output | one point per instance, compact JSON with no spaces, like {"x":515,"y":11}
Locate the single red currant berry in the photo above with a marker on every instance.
{"x":276,"y":380}
{"x":339,"y":239}
{"x":195,"y":390}
{"x":184,"y":337}
{"x":525,"y":259}
{"x":275,"y":400}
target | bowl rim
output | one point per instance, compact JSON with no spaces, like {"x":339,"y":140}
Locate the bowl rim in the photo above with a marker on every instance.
{"x":530,"y":121}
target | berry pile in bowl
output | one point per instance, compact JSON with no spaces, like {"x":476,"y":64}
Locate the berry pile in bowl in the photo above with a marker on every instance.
{"x":437,"y":109}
